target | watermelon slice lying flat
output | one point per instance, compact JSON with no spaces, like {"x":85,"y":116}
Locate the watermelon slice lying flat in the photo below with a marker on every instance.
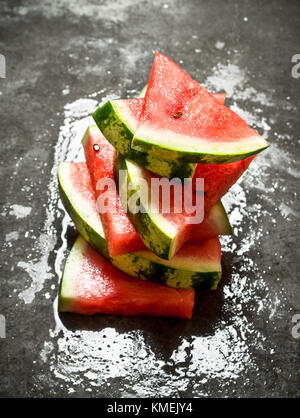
{"x":118,"y":120}
{"x":195,"y":265}
{"x":164,"y":236}
{"x":182,"y":120}
{"x":91,"y":285}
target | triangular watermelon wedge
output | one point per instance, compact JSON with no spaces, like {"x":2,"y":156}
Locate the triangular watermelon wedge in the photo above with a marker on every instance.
{"x":182,"y":120}
{"x":118,"y":120}
{"x":115,"y":221}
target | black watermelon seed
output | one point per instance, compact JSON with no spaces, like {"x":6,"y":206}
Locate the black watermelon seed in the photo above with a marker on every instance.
{"x":177,"y":115}
{"x":96,"y":147}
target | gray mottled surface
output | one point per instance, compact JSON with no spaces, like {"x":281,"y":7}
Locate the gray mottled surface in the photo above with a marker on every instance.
{"x":63,"y":58}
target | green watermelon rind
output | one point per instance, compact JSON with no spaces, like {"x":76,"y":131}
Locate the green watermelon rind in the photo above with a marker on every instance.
{"x":119,"y":131}
{"x":158,"y":234}
{"x":67,"y":291}
{"x":220,"y":216}
{"x":169,"y":146}
{"x":143,"y":265}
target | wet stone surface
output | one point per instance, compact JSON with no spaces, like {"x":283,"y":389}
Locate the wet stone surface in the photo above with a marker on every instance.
{"x":62,"y":60}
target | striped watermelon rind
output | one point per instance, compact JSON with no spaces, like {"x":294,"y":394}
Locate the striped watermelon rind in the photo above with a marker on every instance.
{"x":117,"y":124}
{"x":158,"y":234}
{"x":121,"y":134}
{"x":169,"y":145}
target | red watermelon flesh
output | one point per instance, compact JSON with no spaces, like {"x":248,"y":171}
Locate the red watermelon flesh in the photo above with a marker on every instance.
{"x":219,"y":178}
{"x":135,"y":106}
{"x":119,"y":232}
{"x":201,"y":122}
{"x":93,"y":285}
{"x":207,"y":229}
{"x":221,"y":97}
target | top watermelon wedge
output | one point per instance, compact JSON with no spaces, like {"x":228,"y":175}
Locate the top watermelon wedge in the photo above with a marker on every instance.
{"x":182,"y":120}
{"x":118,"y":120}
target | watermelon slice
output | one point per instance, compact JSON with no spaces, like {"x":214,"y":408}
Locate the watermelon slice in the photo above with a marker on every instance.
{"x":162,"y":233}
{"x":115,"y":221}
{"x":118,"y":120}
{"x":91,"y":285}
{"x":181,"y":120}
{"x":195,"y":265}
{"x":166,"y":235}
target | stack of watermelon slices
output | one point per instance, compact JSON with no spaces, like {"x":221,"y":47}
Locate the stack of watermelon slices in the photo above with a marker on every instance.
{"x":175,"y":130}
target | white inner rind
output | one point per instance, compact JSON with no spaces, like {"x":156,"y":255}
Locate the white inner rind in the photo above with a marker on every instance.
{"x":172,"y":141}
{"x":84,"y":207}
{"x":123,"y":110}
{"x":71,"y":270}
{"x":191,"y":263}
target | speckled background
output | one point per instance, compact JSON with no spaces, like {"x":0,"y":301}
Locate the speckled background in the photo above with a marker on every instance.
{"x":63,"y":58}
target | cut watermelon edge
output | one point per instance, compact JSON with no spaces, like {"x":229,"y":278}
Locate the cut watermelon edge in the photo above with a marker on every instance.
{"x":166,"y":145}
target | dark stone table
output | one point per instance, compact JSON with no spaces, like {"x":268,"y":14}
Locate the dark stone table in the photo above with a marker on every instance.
{"x":62,"y":59}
